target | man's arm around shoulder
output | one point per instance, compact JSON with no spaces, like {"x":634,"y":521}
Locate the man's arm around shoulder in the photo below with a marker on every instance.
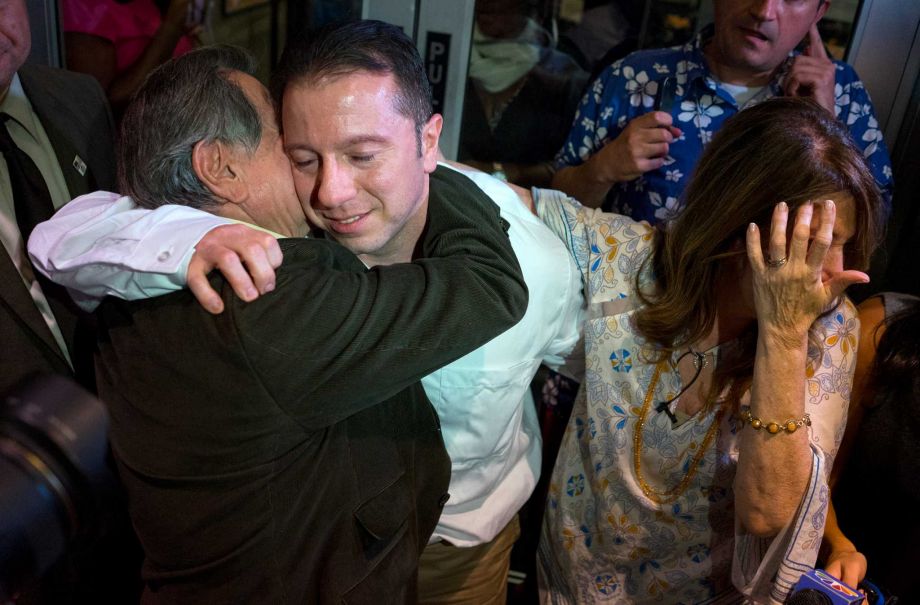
{"x":333,"y":339}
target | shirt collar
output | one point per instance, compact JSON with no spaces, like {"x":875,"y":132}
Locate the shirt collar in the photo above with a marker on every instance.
{"x":258,"y":228}
{"x":698,"y":68}
{"x":17,"y":105}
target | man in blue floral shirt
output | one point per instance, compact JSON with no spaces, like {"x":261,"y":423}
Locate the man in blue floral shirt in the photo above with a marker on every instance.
{"x":639,"y":159}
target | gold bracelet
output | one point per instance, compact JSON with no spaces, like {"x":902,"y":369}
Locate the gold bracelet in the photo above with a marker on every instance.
{"x":790,"y":426}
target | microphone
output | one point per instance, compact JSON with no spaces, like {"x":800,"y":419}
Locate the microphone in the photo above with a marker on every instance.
{"x":817,"y":587}
{"x":699,"y":362}
{"x":662,"y":406}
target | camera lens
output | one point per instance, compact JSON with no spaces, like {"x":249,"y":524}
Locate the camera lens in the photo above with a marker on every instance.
{"x":53,"y":472}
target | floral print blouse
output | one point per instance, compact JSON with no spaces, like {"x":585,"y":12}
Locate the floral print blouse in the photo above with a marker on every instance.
{"x":603,"y":539}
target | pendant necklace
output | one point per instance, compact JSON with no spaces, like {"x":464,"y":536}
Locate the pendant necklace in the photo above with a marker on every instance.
{"x":671,"y":494}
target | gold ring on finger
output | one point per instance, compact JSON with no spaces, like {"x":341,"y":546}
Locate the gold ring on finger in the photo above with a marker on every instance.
{"x":777,"y":263}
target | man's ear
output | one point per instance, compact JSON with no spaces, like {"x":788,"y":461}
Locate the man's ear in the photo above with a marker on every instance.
{"x":431,"y":134}
{"x":822,"y":9}
{"x":215,"y":166}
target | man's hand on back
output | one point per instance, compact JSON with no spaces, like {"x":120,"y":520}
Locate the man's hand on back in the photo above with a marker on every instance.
{"x":247,"y":258}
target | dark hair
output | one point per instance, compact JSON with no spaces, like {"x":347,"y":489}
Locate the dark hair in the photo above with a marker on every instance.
{"x":784,"y":149}
{"x":343,"y":48}
{"x":186,"y":100}
{"x":895,"y":373}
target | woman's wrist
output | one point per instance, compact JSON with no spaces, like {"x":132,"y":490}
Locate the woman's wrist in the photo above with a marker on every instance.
{"x":782,"y":339}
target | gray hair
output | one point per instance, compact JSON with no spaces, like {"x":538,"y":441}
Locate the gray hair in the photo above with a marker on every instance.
{"x":186,"y":100}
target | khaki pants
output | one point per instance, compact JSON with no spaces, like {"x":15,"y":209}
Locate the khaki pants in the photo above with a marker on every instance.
{"x":477,"y":575}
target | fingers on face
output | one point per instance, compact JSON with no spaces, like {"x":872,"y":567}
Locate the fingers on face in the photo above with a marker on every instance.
{"x":824,"y":236}
{"x":778,"y":224}
{"x":754,"y":251}
{"x":806,"y":76}
{"x":798,"y":248}
{"x":843,"y":280}
{"x":815,"y":43}
{"x":801,"y":231}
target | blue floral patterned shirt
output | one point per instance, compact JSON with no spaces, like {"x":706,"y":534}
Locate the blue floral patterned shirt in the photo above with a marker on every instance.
{"x":628,"y":88}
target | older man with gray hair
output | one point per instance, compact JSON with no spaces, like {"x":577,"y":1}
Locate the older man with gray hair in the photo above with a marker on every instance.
{"x":283,"y":451}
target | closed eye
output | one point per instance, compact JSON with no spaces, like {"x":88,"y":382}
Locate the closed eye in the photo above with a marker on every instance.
{"x":304,"y":164}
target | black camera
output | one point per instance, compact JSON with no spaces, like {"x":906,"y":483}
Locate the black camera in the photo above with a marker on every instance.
{"x":54,"y":476}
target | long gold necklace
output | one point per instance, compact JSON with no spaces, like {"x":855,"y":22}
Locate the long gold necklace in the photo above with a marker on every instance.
{"x":669,"y":495}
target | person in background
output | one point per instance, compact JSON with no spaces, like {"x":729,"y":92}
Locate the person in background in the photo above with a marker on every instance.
{"x":605,"y":29}
{"x":520,"y":96}
{"x":877,"y":491}
{"x":57,"y":143}
{"x":643,"y":124}
{"x":719,"y":359}
{"x":119,"y":42}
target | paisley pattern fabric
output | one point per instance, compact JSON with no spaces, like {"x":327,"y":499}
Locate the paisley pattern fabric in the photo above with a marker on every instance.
{"x":603,"y":539}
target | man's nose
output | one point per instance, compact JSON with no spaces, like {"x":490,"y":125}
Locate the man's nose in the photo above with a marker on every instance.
{"x":764,"y":10}
{"x":335,"y":184}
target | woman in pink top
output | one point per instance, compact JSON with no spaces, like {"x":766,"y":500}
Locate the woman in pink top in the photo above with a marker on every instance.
{"x":120,"y":41}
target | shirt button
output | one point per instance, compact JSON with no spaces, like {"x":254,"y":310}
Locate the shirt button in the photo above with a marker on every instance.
{"x":443,"y":500}
{"x":164,"y":256}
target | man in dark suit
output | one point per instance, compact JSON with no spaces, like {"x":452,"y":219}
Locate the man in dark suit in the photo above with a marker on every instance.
{"x":57,"y":140}
{"x":283,"y":451}
{"x":61,"y":121}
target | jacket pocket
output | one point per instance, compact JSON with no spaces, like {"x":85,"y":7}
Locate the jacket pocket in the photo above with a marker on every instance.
{"x":383,"y":515}
{"x":390,"y":546}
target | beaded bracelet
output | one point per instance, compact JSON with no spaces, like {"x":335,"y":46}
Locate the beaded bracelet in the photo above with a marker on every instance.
{"x":790,"y":426}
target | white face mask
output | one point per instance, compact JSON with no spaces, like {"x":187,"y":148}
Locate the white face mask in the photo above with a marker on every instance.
{"x":497,"y":63}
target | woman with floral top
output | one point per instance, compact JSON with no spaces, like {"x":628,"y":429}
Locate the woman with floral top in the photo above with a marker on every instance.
{"x":719,"y":359}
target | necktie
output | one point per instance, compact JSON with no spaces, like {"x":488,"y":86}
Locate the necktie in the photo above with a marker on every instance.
{"x":31,"y":199}
{"x":32,"y":203}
